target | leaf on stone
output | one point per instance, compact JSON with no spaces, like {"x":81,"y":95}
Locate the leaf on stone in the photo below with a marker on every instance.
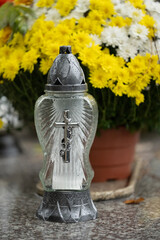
{"x":134,"y":201}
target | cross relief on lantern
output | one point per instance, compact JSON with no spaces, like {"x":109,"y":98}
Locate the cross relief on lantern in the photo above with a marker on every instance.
{"x":66,"y":141}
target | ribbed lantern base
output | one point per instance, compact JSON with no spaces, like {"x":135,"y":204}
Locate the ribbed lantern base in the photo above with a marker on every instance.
{"x":67,"y":206}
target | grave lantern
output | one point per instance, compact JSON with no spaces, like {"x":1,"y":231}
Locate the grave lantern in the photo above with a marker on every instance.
{"x":66,"y":121}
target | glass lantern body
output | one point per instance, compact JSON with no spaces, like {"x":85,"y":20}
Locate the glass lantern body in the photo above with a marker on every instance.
{"x":50,"y":108}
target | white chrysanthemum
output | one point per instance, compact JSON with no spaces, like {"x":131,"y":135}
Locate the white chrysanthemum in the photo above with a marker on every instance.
{"x":74,"y":14}
{"x":39,"y":11}
{"x":158,"y":33}
{"x":156,"y":17}
{"x":152,"y":6}
{"x":158,"y":48}
{"x":119,"y":8}
{"x":115,"y":2}
{"x":114,"y":36}
{"x":124,"y":9}
{"x":83,"y":4}
{"x":96,"y":39}
{"x":137,"y":15}
{"x":136,"y":43}
{"x":127,"y":50}
{"x":81,"y":7}
{"x":35,"y":2}
{"x":138,"y":31}
{"x":148,"y":47}
{"x":53,"y":15}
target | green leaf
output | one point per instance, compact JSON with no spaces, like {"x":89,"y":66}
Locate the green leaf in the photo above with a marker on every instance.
{"x":20,"y":25}
{"x":13,"y":14}
{"x":25,"y":10}
{"x":16,"y":17}
{"x":4,"y":14}
{"x":16,"y":23}
{"x":23,"y":27}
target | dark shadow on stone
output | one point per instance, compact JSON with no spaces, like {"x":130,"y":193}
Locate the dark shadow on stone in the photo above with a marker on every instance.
{"x":9,"y":145}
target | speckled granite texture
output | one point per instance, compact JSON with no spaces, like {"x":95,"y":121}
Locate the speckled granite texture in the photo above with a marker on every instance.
{"x":18,"y":201}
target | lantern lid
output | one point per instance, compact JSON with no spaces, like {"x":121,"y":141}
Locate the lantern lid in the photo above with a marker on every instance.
{"x":66,"y":73}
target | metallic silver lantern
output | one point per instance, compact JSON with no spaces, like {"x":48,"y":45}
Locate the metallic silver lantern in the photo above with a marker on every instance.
{"x":66,"y":121}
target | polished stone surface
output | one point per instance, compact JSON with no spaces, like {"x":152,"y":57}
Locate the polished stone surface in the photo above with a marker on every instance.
{"x":117,"y":220}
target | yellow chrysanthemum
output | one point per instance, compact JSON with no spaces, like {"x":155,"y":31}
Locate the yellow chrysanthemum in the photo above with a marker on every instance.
{"x":119,"y":89}
{"x":138,"y":64}
{"x":109,"y":62}
{"x":104,"y":7}
{"x":82,"y":39}
{"x":1,"y":123}
{"x":89,"y":55}
{"x":65,"y":7}
{"x":49,"y":25}
{"x":44,"y":3}
{"x":25,"y":2}
{"x":96,"y":29}
{"x":139,"y":99}
{"x":70,"y":23}
{"x":138,"y":4}
{"x":18,"y":53}
{"x":133,"y":89}
{"x":5,"y":52}
{"x":51,"y":49}
{"x":128,"y":21}
{"x":106,"y":50}
{"x":149,"y":22}
{"x":157,"y":73}
{"x":98,"y":78}
{"x":45,"y":65}
{"x":29,"y":60}
{"x":151,"y":62}
{"x":62,"y":29}
{"x":27,"y":37}
{"x":123,"y":75}
{"x":11,"y":68}
{"x":120,"y":61}
{"x":5,"y":34}
{"x":38,"y":24}
{"x":110,"y":67}
{"x":2,"y":60}
{"x":97,"y":17}
{"x":18,"y":40}
{"x":37,"y":40}
{"x":85,"y":24}
{"x":120,"y":21}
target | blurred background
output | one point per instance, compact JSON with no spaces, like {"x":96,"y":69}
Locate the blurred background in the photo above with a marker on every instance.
{"x":117,"y":44}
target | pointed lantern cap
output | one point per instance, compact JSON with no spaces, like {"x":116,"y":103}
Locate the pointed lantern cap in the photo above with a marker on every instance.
{"x":66,"y":73}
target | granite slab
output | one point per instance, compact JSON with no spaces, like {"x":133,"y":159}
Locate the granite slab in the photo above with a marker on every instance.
{"x":116,"y":220}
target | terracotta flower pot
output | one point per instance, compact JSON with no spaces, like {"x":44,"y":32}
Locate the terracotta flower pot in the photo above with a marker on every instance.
{"x":112,"y":154}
